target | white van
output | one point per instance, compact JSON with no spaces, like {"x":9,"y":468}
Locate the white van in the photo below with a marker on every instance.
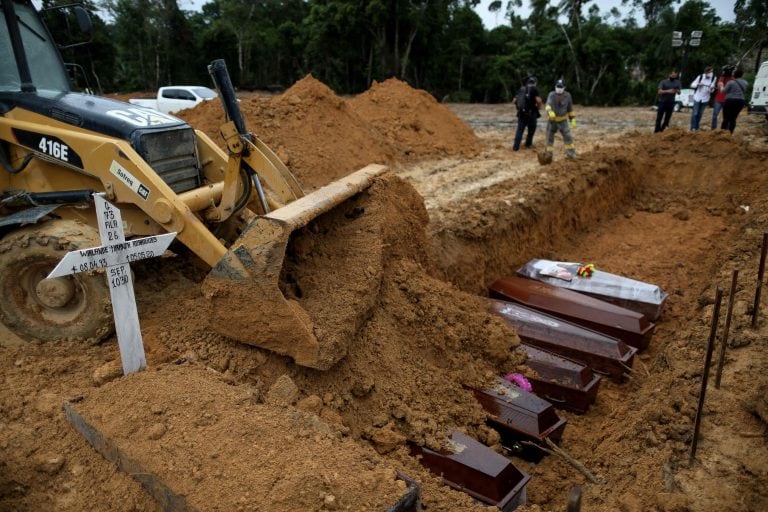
{"x":759,"y":102}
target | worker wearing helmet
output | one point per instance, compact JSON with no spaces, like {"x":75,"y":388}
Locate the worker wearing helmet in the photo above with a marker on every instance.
{"x":559,"y":108}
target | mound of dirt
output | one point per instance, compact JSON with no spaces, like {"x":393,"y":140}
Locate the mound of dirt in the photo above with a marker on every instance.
{"x":322,"y":137}
{"x":407,"y":357}
{"x":236,"y":454}
{"x":414,"y":122}
{"x":124,"y":97}
{"x":313,"y":131}
{"x":406,"y":360}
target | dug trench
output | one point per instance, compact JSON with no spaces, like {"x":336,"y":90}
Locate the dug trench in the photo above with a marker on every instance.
{"x":675,"y":210}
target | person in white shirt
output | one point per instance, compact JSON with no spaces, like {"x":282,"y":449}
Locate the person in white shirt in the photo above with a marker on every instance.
{"x":704,"y":85}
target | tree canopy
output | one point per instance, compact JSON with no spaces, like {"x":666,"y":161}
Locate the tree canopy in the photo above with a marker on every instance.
{"x":437,"y":45}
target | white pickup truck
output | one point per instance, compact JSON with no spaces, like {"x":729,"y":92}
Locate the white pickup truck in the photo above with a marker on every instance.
{"x":175,"y":98}
{"x":684,"y":99}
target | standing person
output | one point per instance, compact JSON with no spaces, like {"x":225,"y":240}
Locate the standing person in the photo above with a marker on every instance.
{"x":704,"y":85}
{"x":560,"y":110}
{"x":527,"y":101}
{"x":725,"y":77}
{"x":735,"y":97}
{"x":667,"y":90}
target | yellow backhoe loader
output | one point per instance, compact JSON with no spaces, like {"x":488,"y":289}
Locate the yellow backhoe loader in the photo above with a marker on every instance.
{"x":234,"y":210}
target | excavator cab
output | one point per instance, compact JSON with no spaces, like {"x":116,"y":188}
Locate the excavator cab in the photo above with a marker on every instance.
{"x":235,"y":210}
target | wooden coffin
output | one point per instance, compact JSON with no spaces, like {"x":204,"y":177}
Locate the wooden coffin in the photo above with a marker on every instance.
{"x":475,"y":469}
{"x":566,"y":384}
{"x":644,"y":298}
{"x":630,"y":327}
{"x":603,"y":354}
{"x":520,"y":416}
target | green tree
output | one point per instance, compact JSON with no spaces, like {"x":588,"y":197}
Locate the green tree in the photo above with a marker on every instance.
{"x":135,"y":34}
{"x":572,"y":9}
{"x":752,"y":17}
{"x":237,"y":16}
{"x":344,"y":67}
{"x":456,"y":38}
{"x":652,"y":9}
{"x":214,"y":42}
{"x":509,"y":6}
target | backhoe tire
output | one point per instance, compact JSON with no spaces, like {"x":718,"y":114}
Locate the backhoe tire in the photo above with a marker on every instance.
{"x":74,"y":307}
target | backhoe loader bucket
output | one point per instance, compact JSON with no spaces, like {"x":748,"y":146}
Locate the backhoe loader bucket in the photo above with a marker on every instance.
{"x":252,"y":296}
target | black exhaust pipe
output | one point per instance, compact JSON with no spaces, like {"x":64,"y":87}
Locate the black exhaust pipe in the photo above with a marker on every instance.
{"x":218,"y":71}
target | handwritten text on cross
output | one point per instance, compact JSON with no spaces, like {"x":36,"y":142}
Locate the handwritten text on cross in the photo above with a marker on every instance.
{"x":115,"y":254}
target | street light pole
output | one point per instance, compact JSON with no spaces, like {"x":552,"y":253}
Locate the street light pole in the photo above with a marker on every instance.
{"x":693,"y":41}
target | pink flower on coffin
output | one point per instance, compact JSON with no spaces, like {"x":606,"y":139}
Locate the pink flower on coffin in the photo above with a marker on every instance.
{"x":519,"y":380}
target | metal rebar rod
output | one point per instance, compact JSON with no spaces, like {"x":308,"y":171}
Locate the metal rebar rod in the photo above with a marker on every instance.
{"x":705,"y":375}
{"x":760,"y":273}
{"x":726,"y":329}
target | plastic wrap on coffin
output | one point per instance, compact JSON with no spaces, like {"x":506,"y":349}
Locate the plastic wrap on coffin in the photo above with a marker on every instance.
{"x":644,"y":298}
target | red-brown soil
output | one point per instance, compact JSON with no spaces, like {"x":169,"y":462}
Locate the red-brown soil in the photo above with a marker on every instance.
{"x":322,"y":137}
{"x":213,"y":444}
{"x":413,"y":122}
{"x":679,"y":210}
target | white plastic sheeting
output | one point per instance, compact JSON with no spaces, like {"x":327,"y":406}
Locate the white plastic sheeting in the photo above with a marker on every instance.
{"x":644,"y":298}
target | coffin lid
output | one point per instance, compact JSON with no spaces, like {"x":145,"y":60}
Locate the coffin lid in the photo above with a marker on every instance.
{"x":569,"y":303}
{"x":557,"y":368}
{"x":530,"y":323}
{"x":517,"y":409}
{"x":475,"y":469}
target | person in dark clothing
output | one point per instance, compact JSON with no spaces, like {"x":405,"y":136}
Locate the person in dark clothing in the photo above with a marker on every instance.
{"x":725,"y":77}
{"x":527,"y":113}
{"x":735,"y":97}
{"x":667,"y":90}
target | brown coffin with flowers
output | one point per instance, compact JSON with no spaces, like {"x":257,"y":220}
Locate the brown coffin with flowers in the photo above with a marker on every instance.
{"x":520,"y":416}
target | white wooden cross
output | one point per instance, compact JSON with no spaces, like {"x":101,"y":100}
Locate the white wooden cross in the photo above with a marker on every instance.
{"x":115,"y":254}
